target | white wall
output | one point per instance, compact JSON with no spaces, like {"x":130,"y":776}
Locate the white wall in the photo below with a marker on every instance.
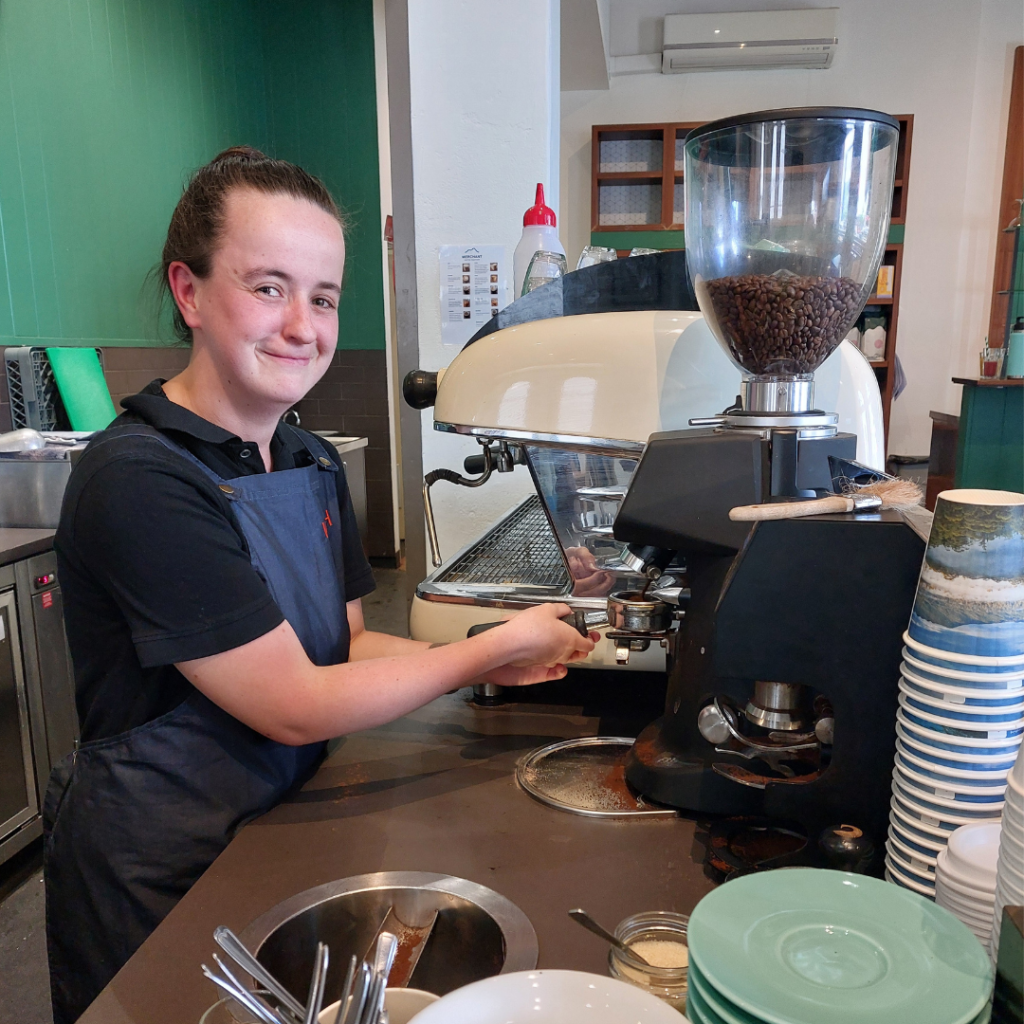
{"x":484,"y":80}
{"x":948,"y":63}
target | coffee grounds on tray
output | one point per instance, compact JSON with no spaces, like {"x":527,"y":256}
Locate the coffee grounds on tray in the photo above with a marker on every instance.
{"x":783,"y":323}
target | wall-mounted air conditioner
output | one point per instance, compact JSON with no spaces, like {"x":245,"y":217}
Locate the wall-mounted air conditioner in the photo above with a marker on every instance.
{"x":761,"y":39}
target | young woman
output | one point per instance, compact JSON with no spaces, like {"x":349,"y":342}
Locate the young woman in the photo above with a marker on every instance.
{"x":212,"y":574}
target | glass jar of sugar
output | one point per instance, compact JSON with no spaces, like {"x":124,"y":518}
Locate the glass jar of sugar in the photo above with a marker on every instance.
{"x":659,"y":937}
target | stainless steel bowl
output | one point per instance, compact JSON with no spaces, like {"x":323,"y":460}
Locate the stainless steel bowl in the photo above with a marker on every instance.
{"x":478,"y":933}
{"x":631,"y":612}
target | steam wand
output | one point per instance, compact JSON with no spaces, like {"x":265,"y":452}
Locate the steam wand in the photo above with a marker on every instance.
{"x":504,"y":459}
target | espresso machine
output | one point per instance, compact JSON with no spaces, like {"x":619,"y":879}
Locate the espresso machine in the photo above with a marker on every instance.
{"x":782,"y":691}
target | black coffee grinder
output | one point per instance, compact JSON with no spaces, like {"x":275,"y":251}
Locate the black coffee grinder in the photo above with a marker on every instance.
{"x":783,"y":684}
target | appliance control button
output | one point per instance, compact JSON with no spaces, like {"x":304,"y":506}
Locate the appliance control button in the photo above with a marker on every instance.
{"x":712,"y":725}
{"x":46,"y":579}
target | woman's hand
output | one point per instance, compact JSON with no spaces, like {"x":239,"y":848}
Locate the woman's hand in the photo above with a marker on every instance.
{"x":537,"y":637}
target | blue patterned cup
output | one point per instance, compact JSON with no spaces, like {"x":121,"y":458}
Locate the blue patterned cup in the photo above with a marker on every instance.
{"x":970,"y":596}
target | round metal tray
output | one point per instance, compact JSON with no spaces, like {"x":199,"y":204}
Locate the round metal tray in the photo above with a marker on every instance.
{"x":586,"y":776}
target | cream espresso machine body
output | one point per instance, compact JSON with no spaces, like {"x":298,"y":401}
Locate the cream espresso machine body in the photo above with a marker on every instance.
{"x":576,"y":398}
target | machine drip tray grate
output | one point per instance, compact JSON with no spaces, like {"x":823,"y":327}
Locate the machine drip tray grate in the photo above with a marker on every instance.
{"x":520,"y":551}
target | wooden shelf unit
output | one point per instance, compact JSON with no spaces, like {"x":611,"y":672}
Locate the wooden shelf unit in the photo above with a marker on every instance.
{"x":658,"y":200}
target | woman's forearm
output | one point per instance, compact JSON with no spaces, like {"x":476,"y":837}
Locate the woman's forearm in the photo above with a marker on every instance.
{"x":368,"y":644}
{"x":271,"y":685}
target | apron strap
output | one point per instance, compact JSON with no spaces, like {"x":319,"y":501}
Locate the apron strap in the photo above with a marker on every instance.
{"x":316,"y":446}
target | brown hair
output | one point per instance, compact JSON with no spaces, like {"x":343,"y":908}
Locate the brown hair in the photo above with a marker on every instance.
{"x":198,"y":219}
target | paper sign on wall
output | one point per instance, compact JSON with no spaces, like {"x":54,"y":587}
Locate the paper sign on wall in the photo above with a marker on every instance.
{"x":474,"y":286}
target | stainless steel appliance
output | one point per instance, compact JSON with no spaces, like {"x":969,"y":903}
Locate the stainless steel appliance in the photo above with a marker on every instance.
{"x":576,"y":397}
{"x":38,"y":721}
{"x":19,"y":791}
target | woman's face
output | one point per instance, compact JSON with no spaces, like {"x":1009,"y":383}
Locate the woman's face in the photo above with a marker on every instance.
{"x":267,"y":314}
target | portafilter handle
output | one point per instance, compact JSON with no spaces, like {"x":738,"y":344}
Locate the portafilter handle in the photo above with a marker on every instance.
{"x":577,"y":619}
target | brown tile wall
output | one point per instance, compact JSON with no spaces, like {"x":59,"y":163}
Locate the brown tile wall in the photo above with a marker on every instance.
{"x":352,"y":398}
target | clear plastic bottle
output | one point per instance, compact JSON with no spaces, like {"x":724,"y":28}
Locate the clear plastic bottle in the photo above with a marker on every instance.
{"x":539,"y":234}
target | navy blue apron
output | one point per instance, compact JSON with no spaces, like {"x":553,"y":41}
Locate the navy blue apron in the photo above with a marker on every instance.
{"x":130,"y":822}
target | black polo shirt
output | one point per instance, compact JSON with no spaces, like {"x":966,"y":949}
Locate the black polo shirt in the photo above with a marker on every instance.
{"x":154,"y":567}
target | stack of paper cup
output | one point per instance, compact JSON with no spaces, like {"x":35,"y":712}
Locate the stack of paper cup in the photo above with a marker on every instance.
{"x":965,"y":876}
{"x":961,"y":702}
{"x":1010,"y":870}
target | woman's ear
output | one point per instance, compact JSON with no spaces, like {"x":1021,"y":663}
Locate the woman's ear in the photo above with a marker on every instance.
{"x":182,"y":283}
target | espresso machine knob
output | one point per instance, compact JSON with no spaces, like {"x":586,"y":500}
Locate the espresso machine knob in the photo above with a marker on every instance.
{"x":846,"y":848}
{"x":713,"y":726}
{"x":420,"y":388}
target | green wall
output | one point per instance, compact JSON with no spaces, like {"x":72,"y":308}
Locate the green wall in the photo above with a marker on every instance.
{"x":106,"y":106}
{"x":322,"y":114}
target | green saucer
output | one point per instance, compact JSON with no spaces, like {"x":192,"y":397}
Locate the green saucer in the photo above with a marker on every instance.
{"x":802,"y":946}
{"x":710,"y":1003}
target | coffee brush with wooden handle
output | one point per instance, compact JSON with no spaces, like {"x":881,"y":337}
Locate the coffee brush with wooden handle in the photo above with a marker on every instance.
{"x":897,"y":493}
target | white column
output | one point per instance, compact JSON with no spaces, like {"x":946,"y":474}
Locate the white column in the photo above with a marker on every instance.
{"x":484,"y":82}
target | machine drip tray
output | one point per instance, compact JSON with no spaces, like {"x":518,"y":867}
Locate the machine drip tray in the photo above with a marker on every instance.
{"x":586,"y":776}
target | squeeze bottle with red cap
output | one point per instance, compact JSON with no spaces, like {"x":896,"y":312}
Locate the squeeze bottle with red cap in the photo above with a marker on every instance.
{"x":539,"y":234}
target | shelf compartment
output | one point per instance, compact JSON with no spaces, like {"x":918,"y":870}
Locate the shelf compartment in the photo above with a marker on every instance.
{"x":629,"y":203}
{"x":631,"y":151}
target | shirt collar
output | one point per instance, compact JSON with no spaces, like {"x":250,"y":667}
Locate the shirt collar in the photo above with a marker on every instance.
{"x":155,"y":408}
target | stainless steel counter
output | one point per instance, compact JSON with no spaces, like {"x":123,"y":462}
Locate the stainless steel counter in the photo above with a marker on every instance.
{"x":16,"y":543}
{"x":434,"y":791}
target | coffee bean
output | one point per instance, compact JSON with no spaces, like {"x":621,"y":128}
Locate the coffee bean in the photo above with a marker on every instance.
{"x":785,"y":324}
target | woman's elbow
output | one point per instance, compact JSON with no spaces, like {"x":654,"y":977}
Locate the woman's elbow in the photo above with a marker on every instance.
{"x":290,"y":733}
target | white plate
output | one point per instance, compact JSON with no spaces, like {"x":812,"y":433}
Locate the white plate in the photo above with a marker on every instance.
{"x":549,"y":997}
{"x":974,"y":920}
{"x":978,"y":912}
{"x":969,"y":885}
{"x":974,"y":850}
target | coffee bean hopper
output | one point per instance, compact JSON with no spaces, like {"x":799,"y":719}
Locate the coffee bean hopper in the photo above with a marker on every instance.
{"x":787,"y":215}
{"x":782,"y":692}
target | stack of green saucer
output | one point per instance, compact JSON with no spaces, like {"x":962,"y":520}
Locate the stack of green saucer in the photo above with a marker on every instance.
{"x":805,"y":946}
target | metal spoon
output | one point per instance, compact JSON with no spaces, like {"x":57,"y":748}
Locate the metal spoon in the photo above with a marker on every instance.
{"x":232,"y":945}
{"x":316,"y":985}
{"x":583,"y":918}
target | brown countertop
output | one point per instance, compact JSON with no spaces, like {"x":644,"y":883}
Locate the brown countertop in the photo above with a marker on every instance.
{"x":17,"y":543}
{"x":434,"y":791}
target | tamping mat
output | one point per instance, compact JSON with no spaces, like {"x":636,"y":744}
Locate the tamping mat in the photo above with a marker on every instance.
{"x":586,"y":776}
